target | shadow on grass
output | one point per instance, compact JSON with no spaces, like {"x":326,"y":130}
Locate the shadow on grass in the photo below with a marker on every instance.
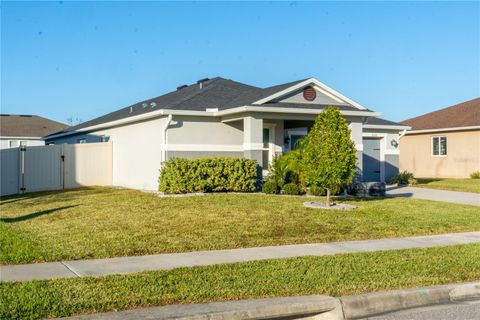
{"x":34,"y":215}
{"x":60,"y":195}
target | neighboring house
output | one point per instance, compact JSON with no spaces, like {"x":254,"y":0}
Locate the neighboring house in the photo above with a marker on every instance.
{"x":25,"y":130}
{"x":443,"y":143}
{"x":220,"y":117}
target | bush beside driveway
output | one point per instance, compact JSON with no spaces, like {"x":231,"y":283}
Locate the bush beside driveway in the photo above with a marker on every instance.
{"x":108,"y":222}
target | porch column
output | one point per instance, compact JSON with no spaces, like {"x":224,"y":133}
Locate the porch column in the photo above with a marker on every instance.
{"x":253,"y":139}
{"x":357,"y":137}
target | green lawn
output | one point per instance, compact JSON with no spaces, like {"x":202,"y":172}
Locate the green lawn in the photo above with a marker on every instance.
{"x":331,"y":275}
{"x":465,"y":185}
{"x":107,"y":222}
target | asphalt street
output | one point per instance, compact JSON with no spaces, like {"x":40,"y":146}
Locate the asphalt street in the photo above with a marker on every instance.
{"x":457,"y":311}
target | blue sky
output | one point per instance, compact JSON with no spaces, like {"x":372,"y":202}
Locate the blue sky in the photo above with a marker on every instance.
{"x":84,"y":59}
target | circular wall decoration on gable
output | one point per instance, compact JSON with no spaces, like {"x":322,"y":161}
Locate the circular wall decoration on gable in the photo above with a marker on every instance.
{"x":309,"y":93}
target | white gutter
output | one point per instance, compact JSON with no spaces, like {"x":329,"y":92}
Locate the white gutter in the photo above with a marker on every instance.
{"x":163,"y":112}
{"x":444,"y":129}
{"x":384,"y":126}
{"x":164,"y":149}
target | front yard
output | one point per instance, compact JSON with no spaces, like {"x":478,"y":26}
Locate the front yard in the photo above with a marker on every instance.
{"x":331,"y":275}
{"x":107,"y":222}
{"x":465,"y":185}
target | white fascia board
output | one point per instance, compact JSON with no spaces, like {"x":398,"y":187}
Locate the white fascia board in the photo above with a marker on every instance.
{"x":140,"y":117}
{"x":444,"y":130}
{"x":334,"y":94}
{"x":20,"y":138}
{"x":165,"y":112}
{"x":391,"y":127}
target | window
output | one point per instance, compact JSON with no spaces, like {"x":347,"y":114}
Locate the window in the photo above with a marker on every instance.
{"x":13,"y":143}
{"x":439,"y":146}
{"x":81,"y":141}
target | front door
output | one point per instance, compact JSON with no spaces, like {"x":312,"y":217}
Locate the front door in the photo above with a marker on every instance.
{"x":371,"y":159}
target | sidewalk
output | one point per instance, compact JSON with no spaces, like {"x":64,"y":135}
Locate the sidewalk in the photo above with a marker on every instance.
{"x":468,"y":198}
{"x":122,"y":265}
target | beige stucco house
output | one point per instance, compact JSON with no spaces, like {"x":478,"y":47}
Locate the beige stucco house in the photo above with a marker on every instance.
{"x":220,"y":117}
{"x":443,"y":143}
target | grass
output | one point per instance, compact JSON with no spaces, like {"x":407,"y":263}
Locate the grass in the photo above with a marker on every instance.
{"x":107,"y":222}
{"x":465,"y":185}
{"x":330,"y":275}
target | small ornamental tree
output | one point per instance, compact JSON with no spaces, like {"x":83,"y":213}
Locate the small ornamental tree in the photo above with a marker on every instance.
{"x":329,"y":154}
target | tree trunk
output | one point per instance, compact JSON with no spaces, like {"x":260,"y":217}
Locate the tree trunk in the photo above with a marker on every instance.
{"x":328,"y":198}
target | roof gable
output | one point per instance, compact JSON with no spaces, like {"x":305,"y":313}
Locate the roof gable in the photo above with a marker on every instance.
{"x":320,"y":87}
{"x":465,"y":114}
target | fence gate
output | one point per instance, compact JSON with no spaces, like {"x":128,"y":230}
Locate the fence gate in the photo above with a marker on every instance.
{"x":42,"y":168}
{"x":30,"y":169}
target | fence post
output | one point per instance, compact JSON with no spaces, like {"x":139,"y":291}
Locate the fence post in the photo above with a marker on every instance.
{"x":22,"y":150}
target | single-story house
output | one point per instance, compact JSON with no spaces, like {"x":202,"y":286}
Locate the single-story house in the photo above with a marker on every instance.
{"x":220,"y":117}
{"x":25,"y":130}
{"x":444,"y":143}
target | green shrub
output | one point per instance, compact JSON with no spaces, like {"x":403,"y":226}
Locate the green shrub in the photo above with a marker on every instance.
{"x":475,"y":175}
{"x":292,"y":188}
{"x":270,"y":187}
{"x":329,"y":154}
{"x":317,"y":191}
{"x":180,"y":175}
{"x":404,"y":177}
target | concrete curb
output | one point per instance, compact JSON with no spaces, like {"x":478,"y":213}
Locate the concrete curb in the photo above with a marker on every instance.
{"x":372,"y":304}
{"x":307,"y":307}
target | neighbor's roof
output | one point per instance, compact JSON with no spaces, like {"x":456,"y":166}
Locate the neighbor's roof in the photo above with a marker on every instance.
{"x":12,"y":125}
{"x":465,"y":114}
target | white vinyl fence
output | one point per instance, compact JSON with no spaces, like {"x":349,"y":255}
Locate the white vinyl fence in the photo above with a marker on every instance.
{"x":55,"y":167}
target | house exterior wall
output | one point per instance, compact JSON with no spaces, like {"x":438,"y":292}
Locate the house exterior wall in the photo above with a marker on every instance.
{"x":463,"y":155}
{"x":136,"y":152}
{"x":389,"y":150}
{"x":5,"y":142}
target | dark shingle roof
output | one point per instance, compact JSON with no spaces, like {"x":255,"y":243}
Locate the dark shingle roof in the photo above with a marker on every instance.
{"x":12,"y":125}
{"x":382,"y":122}
{"x":215,"y":93}
{"x":465,"y":114}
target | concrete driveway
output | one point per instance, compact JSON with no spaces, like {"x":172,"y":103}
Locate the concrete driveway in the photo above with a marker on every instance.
{"x":433,"y":194}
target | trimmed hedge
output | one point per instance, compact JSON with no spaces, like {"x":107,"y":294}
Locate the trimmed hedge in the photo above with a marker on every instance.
{"x":181,"y":175}
{"x":292,"y":189}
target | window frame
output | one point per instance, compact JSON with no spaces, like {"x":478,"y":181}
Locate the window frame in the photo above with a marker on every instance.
{"x":10,"y":143}
{"x":439,"y":146}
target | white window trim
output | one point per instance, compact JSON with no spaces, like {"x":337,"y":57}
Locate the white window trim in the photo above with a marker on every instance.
{"x":271,"y":140}
{"x":431,"y":147}
{"x":295,"y":132}
{"x":16,"y":140}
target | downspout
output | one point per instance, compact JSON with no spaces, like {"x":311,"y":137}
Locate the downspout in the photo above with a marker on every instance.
{"x":404,"y":132}
{"x":164,"y":150}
